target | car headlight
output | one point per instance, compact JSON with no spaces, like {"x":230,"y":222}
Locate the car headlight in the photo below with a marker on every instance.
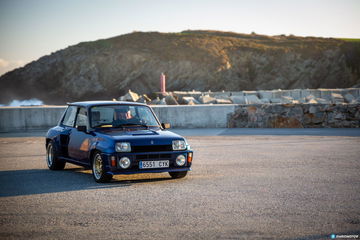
{"x":178,"y":145}
{"x":124,"y":162}
{"x":180,"y":160}
{"x":123,"y":147}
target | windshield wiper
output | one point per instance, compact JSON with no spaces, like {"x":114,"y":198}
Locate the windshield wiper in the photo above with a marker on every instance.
{"x":133,"y":125}
{"x":103,"y":125}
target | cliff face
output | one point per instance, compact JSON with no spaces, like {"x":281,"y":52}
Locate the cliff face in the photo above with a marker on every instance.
{"x":200,"y":60}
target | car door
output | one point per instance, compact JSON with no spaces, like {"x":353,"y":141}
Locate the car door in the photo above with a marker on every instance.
{"x":67,"y":125}
{"x":79,"y":141}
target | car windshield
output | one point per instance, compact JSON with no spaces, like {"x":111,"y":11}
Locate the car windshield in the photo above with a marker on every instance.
{"x":122,"y":116}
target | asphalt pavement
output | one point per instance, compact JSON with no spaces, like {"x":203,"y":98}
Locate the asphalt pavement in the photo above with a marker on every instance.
{"x":354,"y":132}
{"x":245,"y":184}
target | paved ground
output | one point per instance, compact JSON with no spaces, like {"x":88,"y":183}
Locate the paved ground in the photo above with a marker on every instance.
{"x":351,"y":132}
{"x":275,"y":185}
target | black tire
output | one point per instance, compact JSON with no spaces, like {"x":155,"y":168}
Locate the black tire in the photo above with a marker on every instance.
{"x":98,"y":170}
{"x":178,"y":174}
{"x":52,"y":160}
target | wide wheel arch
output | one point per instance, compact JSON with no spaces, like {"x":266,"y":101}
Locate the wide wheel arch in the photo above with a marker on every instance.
{"x":105,"y":177}
{"x":92,"y":153}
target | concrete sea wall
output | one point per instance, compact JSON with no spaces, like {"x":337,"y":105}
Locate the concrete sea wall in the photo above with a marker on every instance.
{"x":14,"y":119}
{"x":196,"y":116}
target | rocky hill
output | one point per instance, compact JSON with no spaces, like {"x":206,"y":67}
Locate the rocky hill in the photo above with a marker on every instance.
{"x":200,"y":60}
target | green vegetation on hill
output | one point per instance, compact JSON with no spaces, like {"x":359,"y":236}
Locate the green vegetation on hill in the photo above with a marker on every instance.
{"x":201,"y":60}
{"x":216,"y":42}
{"x":351,"y":39}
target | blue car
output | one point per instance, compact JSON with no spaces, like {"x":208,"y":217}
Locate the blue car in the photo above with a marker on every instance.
{"x":116,"y":138}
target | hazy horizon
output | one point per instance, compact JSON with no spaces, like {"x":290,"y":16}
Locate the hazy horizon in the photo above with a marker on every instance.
{"x":32,"y":29}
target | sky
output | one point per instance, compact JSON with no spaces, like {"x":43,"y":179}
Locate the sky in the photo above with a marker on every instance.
{"x":30,"y":29}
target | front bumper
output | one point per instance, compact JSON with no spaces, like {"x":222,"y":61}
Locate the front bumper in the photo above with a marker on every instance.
{"x":135,"y":158}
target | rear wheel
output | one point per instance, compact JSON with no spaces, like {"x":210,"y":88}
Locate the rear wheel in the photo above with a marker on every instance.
{"x":52,"y":160}
{"x":178,"y":174}
{"x":98,"y":169}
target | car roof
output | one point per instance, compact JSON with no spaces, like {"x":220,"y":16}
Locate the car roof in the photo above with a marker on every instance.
{"x":103,"y":103}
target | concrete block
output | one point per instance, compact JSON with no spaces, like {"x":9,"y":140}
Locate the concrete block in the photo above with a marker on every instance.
{"x":130,"y":96}
{"x":155,"y":101}
{"x":188,"y":100}
{"x":191,"y":102}
{"x":276,"y":94}
{"x":223,"y":101}
{"x":354,"y":92}
{"x":179,"y":94}
{"x":221,"y":95}
{"x":357,"y":100}
{"x":143,"y":99}
{"x":287,"y":99}
{"x":241,"y":93}
{"x":162,"y":102}
{"x":170,"y":100}
{"x":337,"y":98}
{"x":309,"y":97}
{"x":194,"y":94}
{"x":349,"y":98}
{"x":313,"y":101}
{"x":322,"y":100}
{"x":251,"y":93}
{"x":325,"y":93}
{"x":276,"y":100}
{"x":285,"y":93}
{"x":265,"y":94}
{"x":252,"y":99}
{"x":337,"y":91}
{"x":238,"y":99}
{"x":206,"y":99}
{"x":313,"y":92}
{"x":265,"y":100}
{"x":295,"y":94}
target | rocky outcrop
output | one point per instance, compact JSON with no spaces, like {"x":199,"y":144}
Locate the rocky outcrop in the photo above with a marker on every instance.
{"x":296,"y":116}
{"x":200,"y":60}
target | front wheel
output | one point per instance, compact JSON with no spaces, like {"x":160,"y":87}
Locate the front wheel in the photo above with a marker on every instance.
{"x":52,"y":160}
{"x":178,"y":174}
{"x":98,"y":170}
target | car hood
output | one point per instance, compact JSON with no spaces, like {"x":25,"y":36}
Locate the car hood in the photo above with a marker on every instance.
{"x":136,"y":135}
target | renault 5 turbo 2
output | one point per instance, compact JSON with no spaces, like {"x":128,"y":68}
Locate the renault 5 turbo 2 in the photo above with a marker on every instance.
{"x":113,"y":137}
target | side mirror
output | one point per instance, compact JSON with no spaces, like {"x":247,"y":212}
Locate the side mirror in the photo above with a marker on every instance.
{"x":165,"y":125}
{"x":81,"y":128}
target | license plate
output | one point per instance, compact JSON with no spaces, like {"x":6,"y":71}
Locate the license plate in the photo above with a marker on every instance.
{"x":154,"y":164}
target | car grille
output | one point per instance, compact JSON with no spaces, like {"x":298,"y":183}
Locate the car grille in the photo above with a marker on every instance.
{"x":152,"y":148}
{"x":153,"y":156}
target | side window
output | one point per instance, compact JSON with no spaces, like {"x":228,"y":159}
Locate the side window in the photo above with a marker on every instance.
{"x":81,"y":119}
{"x":101,"y":116}
{"x":69,"y":117}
